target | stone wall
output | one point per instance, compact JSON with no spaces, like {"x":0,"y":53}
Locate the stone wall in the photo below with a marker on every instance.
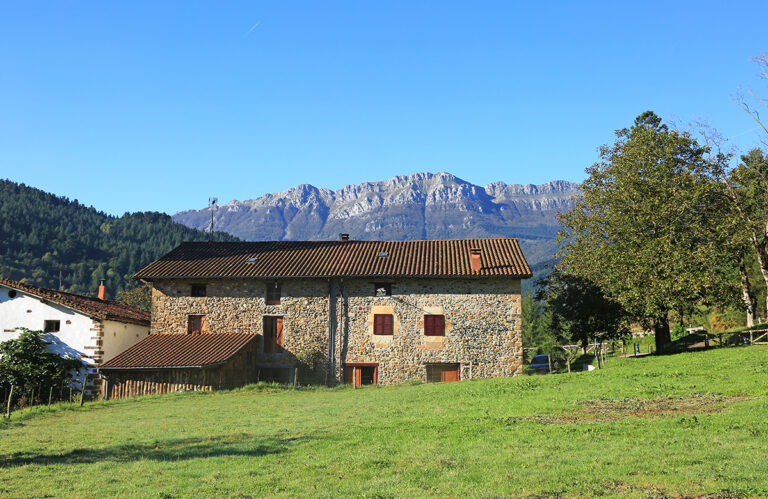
{"x":239,"y":306}
{"x":482,"y":323}
{"x":482,"y":327}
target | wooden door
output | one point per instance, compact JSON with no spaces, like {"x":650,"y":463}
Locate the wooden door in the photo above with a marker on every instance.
{"x":273,"y":334}
{"x":441,"y":373}
{"x":361,"y":375}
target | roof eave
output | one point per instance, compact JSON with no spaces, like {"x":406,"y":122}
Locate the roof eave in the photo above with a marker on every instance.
{"x":147,"y":368}
{"x":336,"y":276}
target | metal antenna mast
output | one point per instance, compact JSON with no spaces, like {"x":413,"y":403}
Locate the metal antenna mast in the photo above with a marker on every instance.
{"x":212,"y":205}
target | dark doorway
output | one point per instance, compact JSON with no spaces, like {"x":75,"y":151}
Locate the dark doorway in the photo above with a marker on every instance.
{"x":360,"y":374}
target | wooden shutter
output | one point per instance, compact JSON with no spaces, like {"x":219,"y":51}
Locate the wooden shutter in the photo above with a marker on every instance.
{"x":195,"y":324}
{"x":434,"y":325}
{"x":203,"y":327}
{"x":279,"y":334}
{"x":383,"y":324}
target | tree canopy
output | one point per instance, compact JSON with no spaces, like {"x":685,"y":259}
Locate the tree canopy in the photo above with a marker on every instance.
{"x":43,"y":236}
{"x":646,"y":228}
{"x":579,"y":310}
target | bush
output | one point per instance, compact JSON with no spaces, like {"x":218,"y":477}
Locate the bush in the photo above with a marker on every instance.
{"x":311,"y":364}
{"x":28,"y":366}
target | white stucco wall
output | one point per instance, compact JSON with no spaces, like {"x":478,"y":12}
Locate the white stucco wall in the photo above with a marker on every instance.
{"x":30,"y":312}
{"x":78,"y":335}
{"x":118,"y":336}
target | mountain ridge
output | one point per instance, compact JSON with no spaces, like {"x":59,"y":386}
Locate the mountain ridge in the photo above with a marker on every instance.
{"x":416,"y":206}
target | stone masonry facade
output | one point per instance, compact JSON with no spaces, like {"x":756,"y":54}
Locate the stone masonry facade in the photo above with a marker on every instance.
{"x":482,"y":322}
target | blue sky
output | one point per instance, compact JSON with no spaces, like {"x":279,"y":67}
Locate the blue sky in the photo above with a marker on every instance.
{"x":133,"y":106}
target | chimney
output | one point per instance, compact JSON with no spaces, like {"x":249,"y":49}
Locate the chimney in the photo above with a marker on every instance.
{"x":344,"y":237}
{"x":474,"y":255}
{"x":102,"y":290}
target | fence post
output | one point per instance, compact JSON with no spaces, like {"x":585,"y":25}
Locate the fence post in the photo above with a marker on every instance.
{"x":10,"y":397}
{"x":50,"y":395}
{"x":295,"y":377}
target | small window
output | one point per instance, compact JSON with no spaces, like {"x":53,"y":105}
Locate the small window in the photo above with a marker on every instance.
{"x":52,"y":326}
{"x":12,"y":293}
{"x":434,"y":325}
{"x":382,"y":324}
{"x":273,"y":294}
{"x":196,"y":324}
{"x":198,"y":290}
{"x":382,"y":289}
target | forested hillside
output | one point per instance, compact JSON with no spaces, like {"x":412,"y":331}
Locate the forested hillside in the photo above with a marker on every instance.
{"x":42,"y":234}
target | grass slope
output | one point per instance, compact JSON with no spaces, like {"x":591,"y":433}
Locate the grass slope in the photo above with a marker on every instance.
{"x":693,"y":423}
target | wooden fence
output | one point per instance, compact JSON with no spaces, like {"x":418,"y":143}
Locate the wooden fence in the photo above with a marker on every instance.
{"x":137,"y":388}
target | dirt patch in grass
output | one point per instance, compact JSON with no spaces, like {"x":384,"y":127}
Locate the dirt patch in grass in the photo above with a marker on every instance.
{"x":620,"y":487}
{"x":660,"y":406}
{"x":602,"y":410}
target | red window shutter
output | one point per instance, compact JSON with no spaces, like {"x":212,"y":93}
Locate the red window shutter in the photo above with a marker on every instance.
{"x":382,"y":324}
{"x":434,"y":325}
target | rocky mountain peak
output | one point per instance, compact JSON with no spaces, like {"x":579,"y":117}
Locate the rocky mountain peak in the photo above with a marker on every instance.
{"x":415,"y":206}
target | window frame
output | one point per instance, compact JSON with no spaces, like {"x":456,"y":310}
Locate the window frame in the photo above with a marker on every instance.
{"x":190,"y":321}
{"x":194,"y":290}
{"x":378,"y":324}
{"x":430,"y":328}
{"x":269,"y":294}
{"x":56,"y":323}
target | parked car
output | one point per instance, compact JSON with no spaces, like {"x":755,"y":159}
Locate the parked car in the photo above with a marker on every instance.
{"x":541,"y":364}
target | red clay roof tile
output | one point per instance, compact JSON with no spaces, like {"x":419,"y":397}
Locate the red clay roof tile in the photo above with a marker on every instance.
{"x":179,"y":350}
{"x":293,"y":259}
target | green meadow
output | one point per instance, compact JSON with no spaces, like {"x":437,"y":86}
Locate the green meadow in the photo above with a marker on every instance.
{"x":689,"y":424}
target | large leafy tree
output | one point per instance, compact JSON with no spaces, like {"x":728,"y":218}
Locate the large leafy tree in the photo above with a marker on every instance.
{"x":580,"y":311}
{"x":646,"y":228}
{"x":747,"y":186}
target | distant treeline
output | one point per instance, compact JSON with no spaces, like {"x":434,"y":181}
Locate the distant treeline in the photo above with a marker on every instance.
{"x":43,"y":235}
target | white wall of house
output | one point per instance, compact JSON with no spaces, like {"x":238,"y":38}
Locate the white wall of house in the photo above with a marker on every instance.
{"x":31,"y":312}
{"x":118,"y":336}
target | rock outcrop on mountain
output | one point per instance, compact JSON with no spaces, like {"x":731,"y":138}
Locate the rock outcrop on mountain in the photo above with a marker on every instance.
{"x":418,"y":206}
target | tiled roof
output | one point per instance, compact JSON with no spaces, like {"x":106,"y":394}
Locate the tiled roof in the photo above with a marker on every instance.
{"x":293,"y":259}
{"x":88,"y":305}
{"x":179,"y":350}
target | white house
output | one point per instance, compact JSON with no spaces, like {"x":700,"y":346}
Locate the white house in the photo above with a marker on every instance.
{"x":91,"y":329}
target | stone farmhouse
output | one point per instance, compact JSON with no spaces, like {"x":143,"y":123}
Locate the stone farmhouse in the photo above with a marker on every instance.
{"x":362,"y":312}
{"x":92,"y":329}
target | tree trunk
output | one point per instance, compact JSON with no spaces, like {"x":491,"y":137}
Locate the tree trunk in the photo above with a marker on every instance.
{"x":762,"y":260}
{"x":662,"y":334}
{"x":747,"y":295}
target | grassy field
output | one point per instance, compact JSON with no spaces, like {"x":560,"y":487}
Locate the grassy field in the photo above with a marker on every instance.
{"x":688,"y":424}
